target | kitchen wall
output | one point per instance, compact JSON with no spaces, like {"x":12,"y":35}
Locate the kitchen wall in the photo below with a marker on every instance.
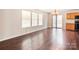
{"x":11,"y":23}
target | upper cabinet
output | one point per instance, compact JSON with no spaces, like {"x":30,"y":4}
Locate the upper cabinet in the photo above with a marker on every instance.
{"x":70,"y":16}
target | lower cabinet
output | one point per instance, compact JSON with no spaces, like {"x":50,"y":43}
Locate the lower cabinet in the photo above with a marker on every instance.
{"x":70,"y":26}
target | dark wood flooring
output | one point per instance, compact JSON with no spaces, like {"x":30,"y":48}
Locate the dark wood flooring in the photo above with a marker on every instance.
{"x":48,"y":39}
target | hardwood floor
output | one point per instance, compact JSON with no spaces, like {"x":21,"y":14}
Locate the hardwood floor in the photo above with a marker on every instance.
{"x":49,"y":39}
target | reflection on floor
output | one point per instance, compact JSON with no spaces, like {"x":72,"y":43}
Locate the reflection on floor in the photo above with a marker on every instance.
{"x":49,"y":39}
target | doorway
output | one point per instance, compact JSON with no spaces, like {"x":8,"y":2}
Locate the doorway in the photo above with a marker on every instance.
{"x":57,"y":21}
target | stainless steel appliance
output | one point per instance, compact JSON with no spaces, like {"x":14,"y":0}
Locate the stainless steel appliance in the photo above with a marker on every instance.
{"x":76,"y":23}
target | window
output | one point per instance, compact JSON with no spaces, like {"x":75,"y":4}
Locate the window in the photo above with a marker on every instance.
{"x":54,"y":21}
{"x":26,"y":19}
{"x":59,"y":21}
{"x":34,"y":19}
{"x":40,"y":22}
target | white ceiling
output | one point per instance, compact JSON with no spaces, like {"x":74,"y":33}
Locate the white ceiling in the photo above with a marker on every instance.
{"x":59,"y":10}
{"x":52,"y":10}
{"x":47,"y":10}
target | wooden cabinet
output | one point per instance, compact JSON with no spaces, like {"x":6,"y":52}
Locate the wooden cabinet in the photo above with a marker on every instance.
{"x":68,"y":16}
{"x":72,"y":16}
{"x":70,"y":26}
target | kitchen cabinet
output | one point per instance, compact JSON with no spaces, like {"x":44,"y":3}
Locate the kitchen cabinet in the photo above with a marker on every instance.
{"x":70,"y":21}
{"x":72,"y":16}
{"x":68,"y":16}
{"x":70,"y":26}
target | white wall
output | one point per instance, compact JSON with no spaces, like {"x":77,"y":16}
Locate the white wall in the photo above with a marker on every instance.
{"x":1,"y":24}
{"x":11,"y":26}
